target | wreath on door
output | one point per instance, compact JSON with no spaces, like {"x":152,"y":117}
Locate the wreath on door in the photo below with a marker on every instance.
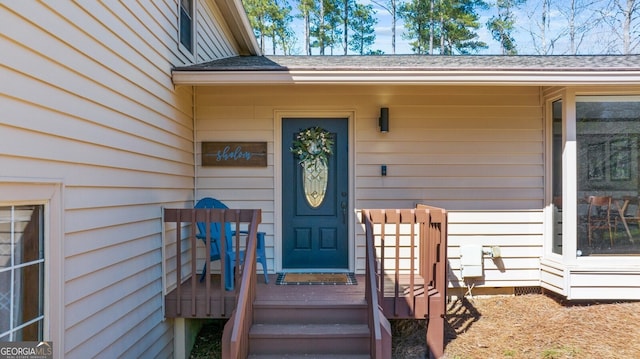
{"x":312,"y":147}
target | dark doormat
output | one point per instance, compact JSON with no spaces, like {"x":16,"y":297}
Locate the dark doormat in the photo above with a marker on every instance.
{"x":316,"y":279}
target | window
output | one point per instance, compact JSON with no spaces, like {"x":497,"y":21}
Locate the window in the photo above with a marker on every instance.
{"x":556,"y":188}
{"x":607,"y":140}
{"x":186,"y":24}
{"x":21,"y":273}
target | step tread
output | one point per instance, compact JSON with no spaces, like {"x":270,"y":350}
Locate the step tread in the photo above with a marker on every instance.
{"x":309,"y":356}
{"x":306,"y":304}
{"x":308,"y":330}
{"x":287,"y":314}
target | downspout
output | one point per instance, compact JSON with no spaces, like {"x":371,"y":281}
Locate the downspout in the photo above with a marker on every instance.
{"x":195,"y":145}
{"x":193,"y":116}
{"x":163,"y":265}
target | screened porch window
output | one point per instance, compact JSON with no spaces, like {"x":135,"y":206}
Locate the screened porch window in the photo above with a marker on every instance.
{"x":21,"y":273}
{"x":607,"y":138}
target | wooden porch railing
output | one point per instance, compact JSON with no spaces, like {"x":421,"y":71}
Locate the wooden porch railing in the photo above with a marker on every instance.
{"x":371,"y":293}
{"x":188,"y":298}
{"x":416,"y":289}
{"x":235,"y":337}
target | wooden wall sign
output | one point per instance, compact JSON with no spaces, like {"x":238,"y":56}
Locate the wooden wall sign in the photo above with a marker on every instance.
{"x":236,"y":154}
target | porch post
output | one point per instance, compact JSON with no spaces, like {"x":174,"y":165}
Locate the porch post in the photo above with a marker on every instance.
{"x":185,"y":333}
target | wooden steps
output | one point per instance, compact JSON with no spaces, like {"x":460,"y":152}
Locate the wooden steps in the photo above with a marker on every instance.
{"x":309,"y":330}
{"x":309,"y":356}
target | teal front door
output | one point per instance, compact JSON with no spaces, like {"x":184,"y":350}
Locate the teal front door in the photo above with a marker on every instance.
{"x":315,"y":223}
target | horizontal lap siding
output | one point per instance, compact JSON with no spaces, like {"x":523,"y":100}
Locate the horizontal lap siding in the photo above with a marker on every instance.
{"x":466,"y":149}
{"x":459,"y":157}
{"x":237,"y":187}
{"x":602,"y":284}
{"x":477,"y":152}
{"x":552,"y":276}
{"x":87,"y":99}
{"x":519,"y":234}
{"x":213,"y":38}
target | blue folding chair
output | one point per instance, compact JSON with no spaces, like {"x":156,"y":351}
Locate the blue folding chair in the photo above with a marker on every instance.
{"x":230,"y":255}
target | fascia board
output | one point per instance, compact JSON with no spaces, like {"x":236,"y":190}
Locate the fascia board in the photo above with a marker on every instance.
{"x":236,"y":18}
{"x":231,"y":77}
{"x":534,"y":78}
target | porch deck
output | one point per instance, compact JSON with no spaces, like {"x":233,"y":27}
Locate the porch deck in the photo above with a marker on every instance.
{"x":272,"y":293}
{"x":317,"y":319}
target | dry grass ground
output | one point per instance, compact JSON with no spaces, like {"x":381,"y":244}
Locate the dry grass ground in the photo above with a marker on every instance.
{"x":535,"y":326}
{"x":527,"y":326}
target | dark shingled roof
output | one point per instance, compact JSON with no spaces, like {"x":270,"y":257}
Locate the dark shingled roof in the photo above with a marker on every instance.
{"x":421,"y":63}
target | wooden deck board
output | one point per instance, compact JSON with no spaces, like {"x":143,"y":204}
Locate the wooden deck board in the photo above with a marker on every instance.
{"x":215,"y":300}
{"x":267,"y":293}
{"x":310,"y":293}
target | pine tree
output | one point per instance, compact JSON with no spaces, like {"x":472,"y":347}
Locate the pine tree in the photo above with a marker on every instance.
{"x":460,"y":36}
{"x":345,"y":11}
{"x":307,"y":8}
{"x":502,"y":25}
{"x":324,"y":25}
{"x":362,"y":24}
{"x":392,"y":7}
{"x":417,"y":18}
{"x":269,"y":19}
{"x":444,"y":26}
{"x":283,"y":34}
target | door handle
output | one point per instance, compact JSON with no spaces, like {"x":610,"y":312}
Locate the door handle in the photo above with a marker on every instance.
{"x":343,"y":205}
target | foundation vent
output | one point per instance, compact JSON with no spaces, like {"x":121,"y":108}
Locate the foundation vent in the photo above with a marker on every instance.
{"x":527,"y":290}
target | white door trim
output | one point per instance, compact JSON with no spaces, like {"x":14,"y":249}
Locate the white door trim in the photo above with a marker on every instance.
{"x":279,"y":114}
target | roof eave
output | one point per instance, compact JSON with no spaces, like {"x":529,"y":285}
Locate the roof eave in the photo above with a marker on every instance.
{"x":533,"y":78}
{"x":236,"y":18}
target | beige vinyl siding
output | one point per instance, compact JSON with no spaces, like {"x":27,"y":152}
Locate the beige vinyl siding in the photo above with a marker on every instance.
{"x":602,"y":283}
{"x":237,"y":187}
{"x":87,"y":100}
{"x":552,"y":276}
{"x":212,"y":36}
{"x":477,"y":151}
{"x":519,"y":234}
{"x":552,"y":91}
{"x":458,"y":149}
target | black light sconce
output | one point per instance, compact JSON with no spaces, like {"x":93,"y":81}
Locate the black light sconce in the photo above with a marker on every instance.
{"x":383,"y":121}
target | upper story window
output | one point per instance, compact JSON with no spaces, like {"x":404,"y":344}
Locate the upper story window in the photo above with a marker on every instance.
{"x":186,"y":24}
{"x":22,"y":273}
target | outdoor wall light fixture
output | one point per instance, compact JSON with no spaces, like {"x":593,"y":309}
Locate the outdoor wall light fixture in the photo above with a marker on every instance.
{"x":383,"y":121}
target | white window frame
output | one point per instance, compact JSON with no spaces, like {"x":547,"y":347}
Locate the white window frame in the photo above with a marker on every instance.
{"x":569,"y":182}
{"x":13,"y":267}
{"x":191,"y":54}
{"x":549,"y":217}
{"x":16,"y":192}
